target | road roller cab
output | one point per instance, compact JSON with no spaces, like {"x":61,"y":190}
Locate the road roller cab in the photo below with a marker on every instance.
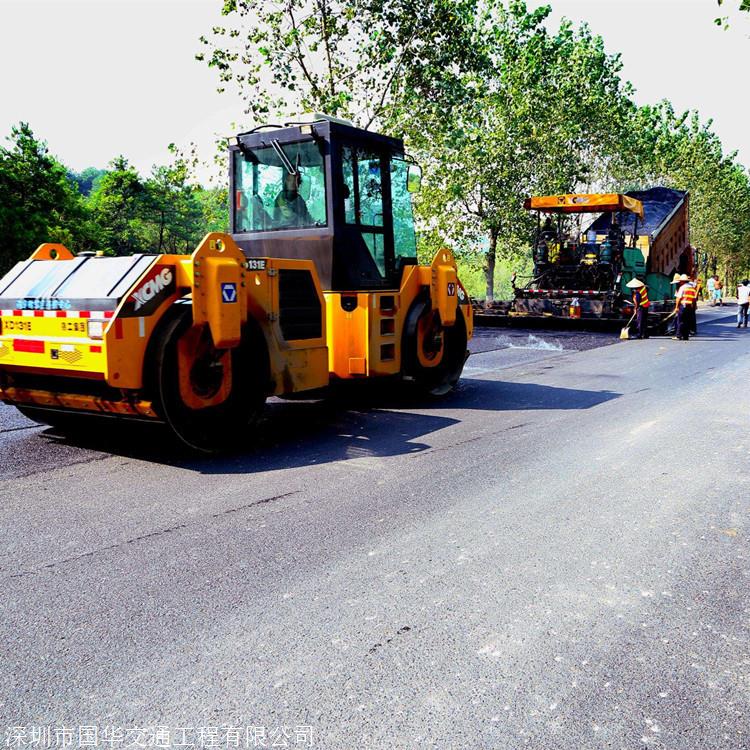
{"x":318,"y":281}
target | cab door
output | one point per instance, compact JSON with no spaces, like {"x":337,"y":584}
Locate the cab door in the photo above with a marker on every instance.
{"x":364,"y":258}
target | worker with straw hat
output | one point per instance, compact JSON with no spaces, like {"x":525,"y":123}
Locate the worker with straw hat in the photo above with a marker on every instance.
{"x":684,"y":299}
{"x":641,"y":303}
{"x":672,"y":329}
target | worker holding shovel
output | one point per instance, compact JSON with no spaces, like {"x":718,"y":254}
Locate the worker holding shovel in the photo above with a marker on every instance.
{"x":684,"y":306}
{"x":641,"y":304}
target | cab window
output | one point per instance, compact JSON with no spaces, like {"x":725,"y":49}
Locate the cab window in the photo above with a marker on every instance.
{"x":363,"y":199}
{"x":404,"y":239}
{"x":269,"y":197}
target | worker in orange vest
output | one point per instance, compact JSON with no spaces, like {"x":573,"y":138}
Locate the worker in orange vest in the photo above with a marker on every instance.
{"x":641,"y":303}
{"x":684,"y":306}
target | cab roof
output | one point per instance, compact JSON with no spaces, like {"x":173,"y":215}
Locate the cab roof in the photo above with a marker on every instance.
{"x":324,"y":129}
{"x":578,"y":203}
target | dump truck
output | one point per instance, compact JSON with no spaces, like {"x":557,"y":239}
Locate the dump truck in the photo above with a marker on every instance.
{"x":316,"y":282}
{"x":581,"y":269}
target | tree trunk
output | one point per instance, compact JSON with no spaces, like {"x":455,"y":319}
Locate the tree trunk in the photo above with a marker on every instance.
{"x":489,"y":268}
{"x":162,"y":221}
{"x":728,"y":286}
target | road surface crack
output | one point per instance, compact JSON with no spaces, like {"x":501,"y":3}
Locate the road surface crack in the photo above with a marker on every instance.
{"x":70,"y":462}
{"x":141,"y":538}
{"x":84,"y":555}
{"x":474,"y":439}
{"x":254,"y":503}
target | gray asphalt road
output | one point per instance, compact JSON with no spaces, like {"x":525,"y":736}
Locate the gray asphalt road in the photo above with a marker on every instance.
{"x":555,"y":556}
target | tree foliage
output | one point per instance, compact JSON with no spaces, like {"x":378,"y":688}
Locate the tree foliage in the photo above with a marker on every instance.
{"x":117,"y":207}
{"x":680,"y":150}
{"x":114,"y":210}
{"x":87,"y":180}
{"x":536,"y":120}
{"x":742,"y":6}
{"x":37,"y":201}
{"x":348,"y":58}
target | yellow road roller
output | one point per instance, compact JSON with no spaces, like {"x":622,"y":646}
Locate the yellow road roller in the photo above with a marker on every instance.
{"x":317,"y":282}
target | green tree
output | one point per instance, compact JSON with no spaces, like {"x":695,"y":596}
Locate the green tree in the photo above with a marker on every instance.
{"x":37,"y":202}
{"x":174,"y":210}
{"x":679,"y":150}
{"x":118,"y":205}
{"x":214,"y":208}
{"x":180,"y":211}
{"x":539,"y":119}
{"x":164,"y":213}
{"x":214,"y":198}
{"x":42,"y":201}
{"x":87,"y":180}
{"x":349,"y":58}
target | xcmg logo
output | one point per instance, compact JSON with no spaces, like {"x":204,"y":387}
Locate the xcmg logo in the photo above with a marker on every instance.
{"x":152,"y":287}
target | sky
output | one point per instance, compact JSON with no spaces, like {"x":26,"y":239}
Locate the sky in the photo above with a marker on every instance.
{"x":98,"y":78}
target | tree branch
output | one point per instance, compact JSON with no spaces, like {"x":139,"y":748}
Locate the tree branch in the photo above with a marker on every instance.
{"x":326,"y":41}
{"x":300,"y":55}
{"x":378,"y":108}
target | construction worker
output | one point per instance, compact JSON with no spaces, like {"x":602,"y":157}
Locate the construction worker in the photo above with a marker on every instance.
{"x":684,"y":299}
{"x":641,"y":303}
{"x":615,"y":233}
{"x":672,"y":329}
{"x":289,"y":208}
{"x":548,"y":231}
{"x":541,"y":250}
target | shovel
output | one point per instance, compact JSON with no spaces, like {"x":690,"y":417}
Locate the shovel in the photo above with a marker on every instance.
{"x":663,"y":325}
{"x":625,"y":332}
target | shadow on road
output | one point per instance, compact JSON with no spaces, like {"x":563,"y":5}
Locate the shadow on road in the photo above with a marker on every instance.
{"x":726,"y":325}
{"x":711,"y":328}
{"x":353,"y":423}
{"x":507,"y":396}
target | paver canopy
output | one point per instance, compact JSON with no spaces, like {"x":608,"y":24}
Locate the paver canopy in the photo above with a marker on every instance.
{"x":572,"y":203}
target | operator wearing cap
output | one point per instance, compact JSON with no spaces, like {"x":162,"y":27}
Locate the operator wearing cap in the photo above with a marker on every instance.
{"x":289,"y":208}
{"x":641,"y":302}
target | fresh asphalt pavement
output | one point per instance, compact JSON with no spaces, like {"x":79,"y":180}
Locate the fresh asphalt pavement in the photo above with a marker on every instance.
{"x":554,"y":556}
